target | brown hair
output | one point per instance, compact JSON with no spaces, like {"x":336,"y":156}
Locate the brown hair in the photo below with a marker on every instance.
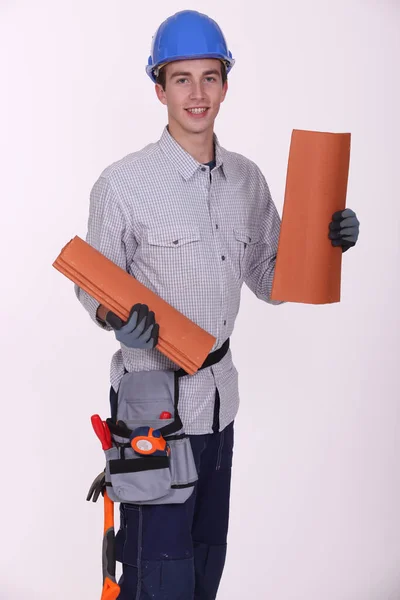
{"x":161,"y":78}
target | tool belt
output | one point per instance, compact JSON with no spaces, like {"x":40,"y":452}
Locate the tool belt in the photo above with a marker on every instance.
{"x":168,"y":475}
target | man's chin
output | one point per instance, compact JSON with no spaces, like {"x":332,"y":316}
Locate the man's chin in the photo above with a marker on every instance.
{"x":198,"y":130}
{"x":192,"y":126}
{"x":198,"y":127}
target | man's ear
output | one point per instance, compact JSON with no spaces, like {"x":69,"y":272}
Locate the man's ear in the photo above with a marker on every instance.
{"x":224,"y":90}
{"x":161,"y":94}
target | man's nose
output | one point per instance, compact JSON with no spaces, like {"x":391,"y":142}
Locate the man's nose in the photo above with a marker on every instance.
{"x":197,"y":90}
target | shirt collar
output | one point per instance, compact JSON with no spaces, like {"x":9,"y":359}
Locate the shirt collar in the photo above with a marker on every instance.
{"x":182,"y":160}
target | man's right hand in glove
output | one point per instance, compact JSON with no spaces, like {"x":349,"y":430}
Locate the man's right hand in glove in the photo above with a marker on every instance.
{"x":140,"y":331}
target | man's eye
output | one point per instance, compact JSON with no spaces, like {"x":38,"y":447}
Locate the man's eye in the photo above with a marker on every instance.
{"x":210,"y":78}
{"x":180,"y":80}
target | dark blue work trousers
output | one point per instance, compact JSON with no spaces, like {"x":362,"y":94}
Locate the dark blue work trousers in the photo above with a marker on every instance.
{"x":177,"y":551}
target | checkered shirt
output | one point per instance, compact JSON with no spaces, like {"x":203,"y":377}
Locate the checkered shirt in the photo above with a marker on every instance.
{"x":193,"y":237}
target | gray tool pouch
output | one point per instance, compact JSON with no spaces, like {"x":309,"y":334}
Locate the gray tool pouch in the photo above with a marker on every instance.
{"x":137,"y":479}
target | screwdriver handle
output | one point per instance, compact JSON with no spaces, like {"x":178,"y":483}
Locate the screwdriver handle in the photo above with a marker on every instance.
{"x":165,"y":415}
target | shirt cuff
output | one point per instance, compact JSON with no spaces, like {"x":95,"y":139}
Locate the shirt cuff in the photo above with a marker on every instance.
{"x":91,"y":305}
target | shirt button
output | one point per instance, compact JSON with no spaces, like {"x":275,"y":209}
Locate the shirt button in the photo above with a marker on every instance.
{"x":224,"y":322}
{"x":223,"y":257}
{"x":216,"y":226}
{"x":203,"y":169}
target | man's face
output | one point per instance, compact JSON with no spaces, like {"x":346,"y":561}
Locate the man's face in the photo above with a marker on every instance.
{"x":192,"y":85}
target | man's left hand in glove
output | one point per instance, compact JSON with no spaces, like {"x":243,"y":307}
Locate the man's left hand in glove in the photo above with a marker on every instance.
{"x":344,"y":229}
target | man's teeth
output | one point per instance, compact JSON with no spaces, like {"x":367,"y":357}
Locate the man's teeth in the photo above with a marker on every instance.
{"x":197,"y":111}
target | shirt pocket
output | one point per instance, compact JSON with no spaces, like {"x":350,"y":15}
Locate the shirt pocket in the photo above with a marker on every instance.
{"x":174,"y":238}
{"x":245,"y":239}
{"x":172,"y":254}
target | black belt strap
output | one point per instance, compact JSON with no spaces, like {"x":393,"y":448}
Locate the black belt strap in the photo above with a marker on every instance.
{"x":212,"y":358}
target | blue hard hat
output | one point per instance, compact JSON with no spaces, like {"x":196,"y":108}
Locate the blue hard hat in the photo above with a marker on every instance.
{"x":186,"y":35}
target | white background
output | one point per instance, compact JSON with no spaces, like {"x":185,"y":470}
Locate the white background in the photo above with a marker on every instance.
{"x":316,"y":487}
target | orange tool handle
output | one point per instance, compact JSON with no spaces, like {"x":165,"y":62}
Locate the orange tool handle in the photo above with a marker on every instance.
{"x":111,"y":590}
{"x":110,"y":587}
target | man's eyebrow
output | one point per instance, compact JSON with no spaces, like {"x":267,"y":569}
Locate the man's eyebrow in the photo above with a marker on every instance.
{"x":187,"y":74}
{"x":179,"y":74}
{"x":212,"y":72}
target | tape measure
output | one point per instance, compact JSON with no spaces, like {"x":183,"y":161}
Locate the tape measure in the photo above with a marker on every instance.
{"x":149,"y":442}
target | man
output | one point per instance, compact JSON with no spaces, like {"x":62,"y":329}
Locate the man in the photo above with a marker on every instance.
{"x":192,"y":222}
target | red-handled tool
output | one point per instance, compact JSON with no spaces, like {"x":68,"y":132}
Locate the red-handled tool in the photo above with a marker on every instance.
{"x":107,"y":434}
{"x":111,"y":588}
{"x":101,"y":430}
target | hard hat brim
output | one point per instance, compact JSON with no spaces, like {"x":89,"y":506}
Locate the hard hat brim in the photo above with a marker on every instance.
{"x":227,"y":60}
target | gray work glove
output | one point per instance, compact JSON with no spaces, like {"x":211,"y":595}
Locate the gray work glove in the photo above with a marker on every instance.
{"x":344,"y":229}
{"x":140,"y":331}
